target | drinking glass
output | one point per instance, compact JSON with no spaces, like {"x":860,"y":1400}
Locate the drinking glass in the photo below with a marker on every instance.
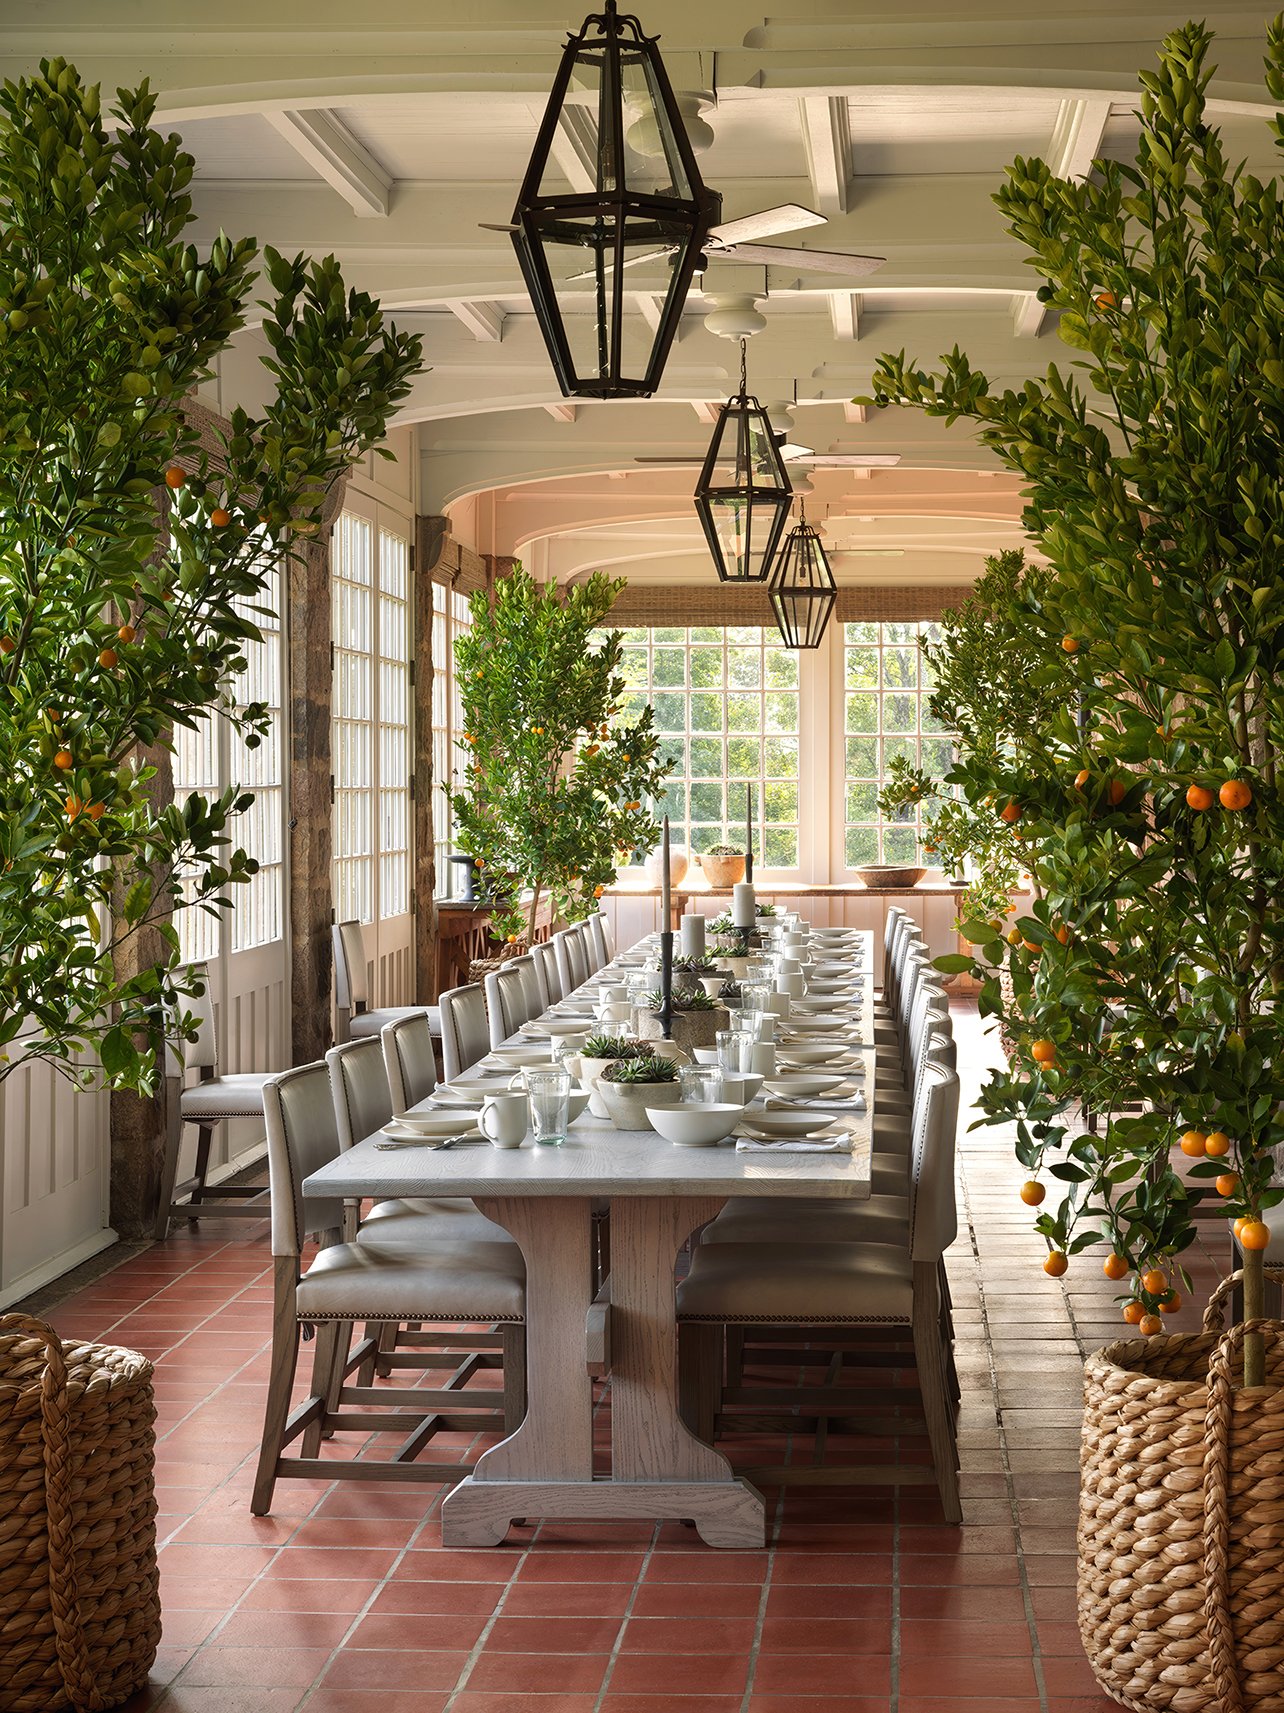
{"x":755,"y":994}
{"x":701,"y":1084}
{"x":735,"y":1050}
{"x":549,"y":1095}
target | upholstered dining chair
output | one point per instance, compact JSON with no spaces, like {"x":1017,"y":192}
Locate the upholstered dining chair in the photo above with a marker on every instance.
{"x":373,"y":1282}
{"x":599,"y":928}
{"x":465,"y":1034}
{"x":507,"y":1003}
{"x":545,"y":957}
{"x":353,"y":1015}
{"x":409,"y":1061}
{"x":594,"y":956}
{"x":205,"y":1104}
{"x":572,"y":964}
{"x":839,"y":1287}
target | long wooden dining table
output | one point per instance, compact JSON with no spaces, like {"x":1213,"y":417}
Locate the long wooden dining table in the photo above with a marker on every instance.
{"x":544,"y":1197}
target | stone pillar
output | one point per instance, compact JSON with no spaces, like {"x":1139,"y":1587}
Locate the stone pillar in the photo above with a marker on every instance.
{"x":311,"y":842}
{"x":137,"y":1122}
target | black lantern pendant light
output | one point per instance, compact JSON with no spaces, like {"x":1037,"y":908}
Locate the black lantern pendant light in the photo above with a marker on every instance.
{"x":613,"y":127}
{"x":804,"y":593}
{"x":743,"y":495}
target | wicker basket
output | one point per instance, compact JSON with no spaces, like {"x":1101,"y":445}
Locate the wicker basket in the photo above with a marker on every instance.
{"x":1181,"y":1522}
{"x":79,"y":1608}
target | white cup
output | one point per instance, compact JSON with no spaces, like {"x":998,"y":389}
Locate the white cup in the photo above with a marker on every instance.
{"x":613,"y":993}
{"x":780,"y":1004}
{"x":762,"y":1059}
{"x":504,"y":1119}
{"x":792,"y":984}
{"x":614,"y":1011}
{"x":767,"y":1025}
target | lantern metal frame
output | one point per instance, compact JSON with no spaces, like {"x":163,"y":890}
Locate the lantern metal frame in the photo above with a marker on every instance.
{"x":804,"y":588}
{"x":764,"y":495}
{"x":614,"y":211}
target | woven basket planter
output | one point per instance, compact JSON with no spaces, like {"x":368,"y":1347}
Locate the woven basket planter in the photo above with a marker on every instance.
{"x":79,"y":1610}
{"x":1181,"y":1522}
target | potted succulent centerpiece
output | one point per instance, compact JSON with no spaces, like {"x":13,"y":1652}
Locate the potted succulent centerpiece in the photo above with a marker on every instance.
{"x":1144,"y":981}
{"x":732,"y":952}
{"x":723,"y":865}
{"x":630,"y":1085}
{"x":704,"y":970}
{"x":591,"y":1063}
{"x":697,"y":1017}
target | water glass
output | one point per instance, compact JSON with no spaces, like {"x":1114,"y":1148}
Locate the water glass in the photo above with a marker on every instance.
{"x":549,"y":1095}
{"x":755,"y":994}
{"x":735,"y":1050}
{"x":701,"y":1084}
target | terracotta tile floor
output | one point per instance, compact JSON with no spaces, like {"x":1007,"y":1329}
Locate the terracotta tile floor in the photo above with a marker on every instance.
{"x":864,"y":1602}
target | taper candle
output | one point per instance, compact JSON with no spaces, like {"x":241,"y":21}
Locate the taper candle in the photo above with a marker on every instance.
{"x":749,"y":833}
{"x":666,"y":905}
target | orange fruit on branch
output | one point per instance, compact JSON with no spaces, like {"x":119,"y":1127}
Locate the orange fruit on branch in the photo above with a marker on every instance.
{"x":1199,"y":797}
{"x":1032,"y":1192}
{"x":1056,"y":1263}
{"x":1228,"y":1184}
{"x":1133,"y":1312}
{"x":1043,"y":1051}
{"x":126,"y":633}
{"x":1172,"y":1304}
{"x":1014,"y":936}
{"x":1117,"y":792}
{"x":1254,"y":1234}
{"x":1081,"y":778}
{"x":1011,"y":813}
{"x":175,"y":476}
{"x":220,"y":517}
{"x":1115,"y":1266}
{"x":1149,"y":1325}
{"x":1235,"y":794}
{"x":108,"y":657}
{"x":1217,"y":1143}
{"x":1194,"y":1144}
{"x":64,"y":759}
{"x":1154,"y":1281}
{"x":1070,"y":644}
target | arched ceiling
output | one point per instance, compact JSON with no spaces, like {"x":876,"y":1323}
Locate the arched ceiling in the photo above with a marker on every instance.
{"x":386,"y":133}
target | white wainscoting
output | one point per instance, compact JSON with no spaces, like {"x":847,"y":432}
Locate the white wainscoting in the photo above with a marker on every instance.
{"x":55,"y":1184}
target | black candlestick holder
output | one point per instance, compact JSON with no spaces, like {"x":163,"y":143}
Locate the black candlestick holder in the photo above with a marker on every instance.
{"x":666,"y":984}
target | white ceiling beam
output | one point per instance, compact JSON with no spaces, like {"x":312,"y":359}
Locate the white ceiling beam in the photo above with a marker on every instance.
{"x":575,"y":148}
{"x":706,"y":411}
{"x":483,"y":320}
{"x":651,"y":307}
{"x":855,"y":412}
{"x":563,"y":412}
{"x":334,"y":154}
{"x":844,"y":314}
{"x":1077,"y":136}
{"x":1076,"y":141}
{"x":828,"y":140}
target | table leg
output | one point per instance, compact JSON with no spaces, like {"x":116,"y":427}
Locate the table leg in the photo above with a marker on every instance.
{"x":659,"y":1469}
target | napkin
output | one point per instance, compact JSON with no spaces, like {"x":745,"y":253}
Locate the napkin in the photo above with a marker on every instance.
{"x":840,"y":1144}
{"x":822,"y":1102}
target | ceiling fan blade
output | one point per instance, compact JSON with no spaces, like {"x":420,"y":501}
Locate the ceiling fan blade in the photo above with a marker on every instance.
{"x":489,"y":226}
{"x":851,"y":460}
{"x":633,"y":262}
{"x":676,"y":459}
{"x":805,"y":261}
{"x":791,"y":453}
{"x":788,"y":217}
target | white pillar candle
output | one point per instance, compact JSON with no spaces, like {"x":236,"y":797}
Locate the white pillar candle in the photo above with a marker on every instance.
{"x":791,"y":984}
{"x":762,"y":1059}
{"x":692,"y":931}
{"x":744,"y":906}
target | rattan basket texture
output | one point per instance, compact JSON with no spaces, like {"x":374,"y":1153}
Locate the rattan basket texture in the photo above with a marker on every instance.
{"x":79,"y":1608}
{"x":1181,"y":1521}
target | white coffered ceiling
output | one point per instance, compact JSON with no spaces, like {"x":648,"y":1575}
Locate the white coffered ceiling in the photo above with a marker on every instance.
{"x":387,"y":132}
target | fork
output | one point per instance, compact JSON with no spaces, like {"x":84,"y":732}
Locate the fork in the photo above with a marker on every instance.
{"x":422,"y":1142}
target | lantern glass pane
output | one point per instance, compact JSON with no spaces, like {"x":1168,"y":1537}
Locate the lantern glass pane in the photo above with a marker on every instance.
{"x":575,"y":162}
{"x":653,"y":164}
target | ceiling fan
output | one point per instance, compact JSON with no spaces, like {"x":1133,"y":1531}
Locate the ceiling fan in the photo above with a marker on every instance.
{"x":736,"y":240}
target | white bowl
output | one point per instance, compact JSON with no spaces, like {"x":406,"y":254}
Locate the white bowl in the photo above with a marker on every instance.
{"x":431,"y":1125}
{"x":740,"y":1086}
{"x":807,"y":1055}
{"x":518,"y":1057}
{"x":705,"y":1055}
{"x":694,"y":1126}
{"x":785,"y":1124}
{"x":825,"y":1020}
{"x":802,"y":1083}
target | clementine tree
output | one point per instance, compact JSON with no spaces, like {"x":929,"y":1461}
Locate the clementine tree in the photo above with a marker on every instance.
{"x":131,"y":552}
{"x":1151,"y":808}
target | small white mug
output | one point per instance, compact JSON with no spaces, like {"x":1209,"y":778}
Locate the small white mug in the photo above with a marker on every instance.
{"x":505,"y":1119}
{"x":791,"y":983}
{"x":612,"y":993}
{"x":762,"y":1059}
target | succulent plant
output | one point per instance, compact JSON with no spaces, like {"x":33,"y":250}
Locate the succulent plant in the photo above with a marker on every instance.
{"x":694,"y":966}
{"x":765,"y":909}
{"x":684,"y":999}
{"x":650,"y":1068}
{"x":724,"y":850}
{"x":731,"y":990}
{"x":612,"y":1047}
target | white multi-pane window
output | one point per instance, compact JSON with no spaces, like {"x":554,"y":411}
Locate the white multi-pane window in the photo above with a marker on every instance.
{"x":394,"y":723}
{"x":451,"y":619}
{"x":886,"y":691}
{"x":213,"y":755}
{"x":370,"y":715}
{"x":728,"y":708}
{"x":352,"y":715}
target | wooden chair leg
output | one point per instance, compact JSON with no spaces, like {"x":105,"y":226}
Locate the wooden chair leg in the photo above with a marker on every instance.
{"x":285,"y":1360}
{"x":514,"y":1350}
{"x":169,"y":1165}
{"x":700,"y":1378}
{"x":327,"y":1380}
{"x":735,"y":1349}
{"x":204,"y":1138}
{"x":938,"y":1408}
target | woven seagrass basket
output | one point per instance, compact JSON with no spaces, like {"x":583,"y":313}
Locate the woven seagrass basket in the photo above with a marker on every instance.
{"x":79,"y":1609}
{"x":1181,"y":1521}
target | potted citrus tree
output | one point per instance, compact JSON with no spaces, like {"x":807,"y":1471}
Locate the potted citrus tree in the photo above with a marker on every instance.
{"x":551,"y":789}
{"x":1146,"y":978}
{"x":132,"y":552}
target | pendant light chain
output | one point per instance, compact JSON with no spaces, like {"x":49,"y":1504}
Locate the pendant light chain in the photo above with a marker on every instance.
{"x":744,"y":368}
